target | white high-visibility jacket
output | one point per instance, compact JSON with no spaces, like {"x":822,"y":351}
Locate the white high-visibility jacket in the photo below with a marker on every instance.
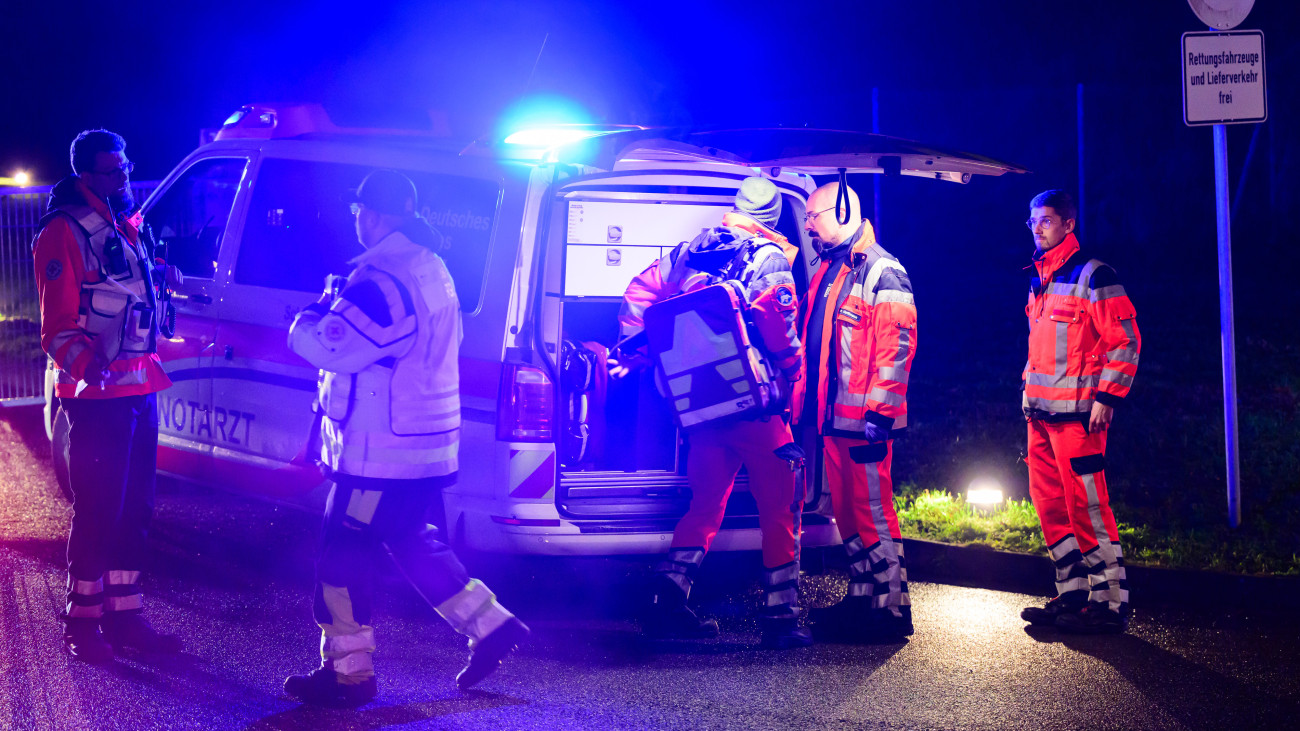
{"x":388,"y":350}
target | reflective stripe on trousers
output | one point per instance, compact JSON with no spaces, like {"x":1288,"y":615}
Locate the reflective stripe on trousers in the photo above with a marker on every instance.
{"x":365,"y":519}
{"x":862,"y":492}
{"x":1067,"y":484}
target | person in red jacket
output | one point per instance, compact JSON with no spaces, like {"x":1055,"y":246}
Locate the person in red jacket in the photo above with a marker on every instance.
{"x":1083,"y":354}
{"x":98,"y":288}
{"x":747,"y":249}
{"x":859,"y":329}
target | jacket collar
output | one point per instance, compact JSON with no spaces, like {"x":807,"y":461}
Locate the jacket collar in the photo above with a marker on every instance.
{"x":394,"y":243}
{"x":733,"y":219}
{"x":1048,"y":262}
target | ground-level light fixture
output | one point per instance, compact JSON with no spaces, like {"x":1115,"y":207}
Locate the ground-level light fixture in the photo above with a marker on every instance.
{"x":985,"y":493}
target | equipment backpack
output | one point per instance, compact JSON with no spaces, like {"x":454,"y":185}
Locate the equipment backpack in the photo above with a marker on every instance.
{"x":706,"y":366}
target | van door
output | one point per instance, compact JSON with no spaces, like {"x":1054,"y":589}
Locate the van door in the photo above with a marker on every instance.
{"x":190,"y":215}
{"x":621,"y":457}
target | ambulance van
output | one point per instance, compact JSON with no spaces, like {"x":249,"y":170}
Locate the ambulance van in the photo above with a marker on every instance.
{"x":544,"y":230}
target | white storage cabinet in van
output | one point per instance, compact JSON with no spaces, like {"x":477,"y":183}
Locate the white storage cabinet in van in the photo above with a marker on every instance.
{"x":555,"y":458}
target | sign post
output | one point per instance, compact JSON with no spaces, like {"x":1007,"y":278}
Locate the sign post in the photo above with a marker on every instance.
{"x":1223,"y":83}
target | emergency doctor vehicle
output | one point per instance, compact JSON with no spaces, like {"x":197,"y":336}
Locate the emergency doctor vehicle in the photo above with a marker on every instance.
{"x":543,"y":230}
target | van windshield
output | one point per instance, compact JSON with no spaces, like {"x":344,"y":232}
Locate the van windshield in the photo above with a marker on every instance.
{"x":300,"y":228}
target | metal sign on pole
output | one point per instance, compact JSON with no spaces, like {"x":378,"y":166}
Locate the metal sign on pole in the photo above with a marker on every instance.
{"x":1223,"y":83}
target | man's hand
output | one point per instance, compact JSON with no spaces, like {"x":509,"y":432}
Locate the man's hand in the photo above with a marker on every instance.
{"x":875,"y":433}
{"x":1101,"y":416}
{"x":626,"y":363}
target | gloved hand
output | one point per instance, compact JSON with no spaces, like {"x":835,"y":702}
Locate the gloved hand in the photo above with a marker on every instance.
{"x":875,"y":433}
{"x":626,"y":363}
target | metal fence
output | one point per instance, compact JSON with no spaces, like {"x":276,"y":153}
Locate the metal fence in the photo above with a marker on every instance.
{"x":22,"y":364}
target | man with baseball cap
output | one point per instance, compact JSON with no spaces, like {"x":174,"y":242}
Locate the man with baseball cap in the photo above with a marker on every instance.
{"x":746,"y":249}
{"x":387,"y":346}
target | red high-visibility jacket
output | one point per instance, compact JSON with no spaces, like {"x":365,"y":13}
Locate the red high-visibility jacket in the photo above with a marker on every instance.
{"x":766,"y":277}
{"x":870,"y":347}
{"x":85,"y":309}
{"x":1083,"y":336}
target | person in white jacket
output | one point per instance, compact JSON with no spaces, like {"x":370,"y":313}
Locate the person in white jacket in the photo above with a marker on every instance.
{"x":387,"y":345}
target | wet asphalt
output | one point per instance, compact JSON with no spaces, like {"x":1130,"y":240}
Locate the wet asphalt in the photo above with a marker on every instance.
{"x":232,"y":576}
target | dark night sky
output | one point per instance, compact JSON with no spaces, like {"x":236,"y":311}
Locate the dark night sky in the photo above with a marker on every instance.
{"x":158,"y":72}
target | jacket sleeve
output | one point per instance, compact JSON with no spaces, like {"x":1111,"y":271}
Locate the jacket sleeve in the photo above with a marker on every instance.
{"x":1116,"y":321}
{"x":774,"y":309}
{"x":372,"y":319}
{"x":60,"y":271}
{"x":893,"y":323}
{"x":645,"y":289}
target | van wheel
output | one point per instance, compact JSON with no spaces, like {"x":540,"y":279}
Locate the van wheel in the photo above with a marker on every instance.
{"x":59,"y":452}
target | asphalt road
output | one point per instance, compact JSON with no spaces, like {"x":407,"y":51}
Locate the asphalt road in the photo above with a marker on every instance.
{"x":232,"y":577}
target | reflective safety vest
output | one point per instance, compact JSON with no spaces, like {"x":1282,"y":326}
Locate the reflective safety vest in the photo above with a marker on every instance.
{"x":1083,"y":336}
{"x":868,"y":343}
{"x":114,"y":301}
{"x":389,"y":349}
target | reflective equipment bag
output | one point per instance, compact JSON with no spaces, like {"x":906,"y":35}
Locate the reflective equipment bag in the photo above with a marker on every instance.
{"x":706,"y":366}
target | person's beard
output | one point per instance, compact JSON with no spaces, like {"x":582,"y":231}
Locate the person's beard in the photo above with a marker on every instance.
{"x":122,"y":202}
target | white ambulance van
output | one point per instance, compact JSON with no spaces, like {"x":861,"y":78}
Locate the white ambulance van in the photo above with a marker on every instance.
{"x":543,"y":239}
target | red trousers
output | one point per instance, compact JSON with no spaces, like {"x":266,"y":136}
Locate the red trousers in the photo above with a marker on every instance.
{"x":716,"y":456}
{"x":862,"y":494}
{"x":1067,"y":483}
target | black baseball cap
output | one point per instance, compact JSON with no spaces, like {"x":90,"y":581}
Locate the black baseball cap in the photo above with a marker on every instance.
{"x":387,"y":191}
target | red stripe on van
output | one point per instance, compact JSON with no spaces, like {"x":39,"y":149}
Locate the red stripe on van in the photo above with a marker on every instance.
{"x":539,"y":482}
{"x":289,"y":481}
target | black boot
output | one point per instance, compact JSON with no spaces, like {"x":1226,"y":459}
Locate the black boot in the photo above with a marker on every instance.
{"x":784,"y":633}
{"x":1096,"y":618}
{"x":321,"y":687}
{"x":855,"y":621}
{"x":838,"y":622}
{"x":82,"y":638}
{"x":668,"y":617}
{"x":490,"y":651}
{"x":132,"y":630}
{"x":1056,"y":607}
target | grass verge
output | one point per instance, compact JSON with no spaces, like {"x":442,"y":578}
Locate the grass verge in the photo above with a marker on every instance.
{"x":937,"y":515}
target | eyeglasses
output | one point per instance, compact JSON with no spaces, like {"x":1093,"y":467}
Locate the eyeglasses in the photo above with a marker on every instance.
{"x":1045,"y":220}
{"x":810,"y":215}
{"x":125,"y":169}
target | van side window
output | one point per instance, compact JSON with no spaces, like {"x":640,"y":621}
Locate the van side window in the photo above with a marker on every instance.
{"x":191,"y":217}
{"x":300,"y":229}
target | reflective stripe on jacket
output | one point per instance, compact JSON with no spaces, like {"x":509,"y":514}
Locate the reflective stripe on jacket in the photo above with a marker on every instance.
{"x":764,"y":273}
{"x":868,"y":342}
{"x":89,"y":311}
{"x":1083,"y":336}
{"x":389,"y":348}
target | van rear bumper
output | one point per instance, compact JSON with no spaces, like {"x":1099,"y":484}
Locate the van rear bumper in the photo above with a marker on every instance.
{"x":613,"y":538}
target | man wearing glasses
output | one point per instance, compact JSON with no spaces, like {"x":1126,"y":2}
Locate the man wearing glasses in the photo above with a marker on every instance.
{"x":388,"y":345}
{"x":1083,"y":354}
{"x":98,"y":287}
{"x":859,"y":327}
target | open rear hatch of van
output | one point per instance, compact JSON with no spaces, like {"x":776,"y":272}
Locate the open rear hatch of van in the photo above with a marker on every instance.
{"x":622,"y":461}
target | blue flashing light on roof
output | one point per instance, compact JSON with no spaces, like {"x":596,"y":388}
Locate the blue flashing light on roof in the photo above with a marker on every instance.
{"x":552,"y":136}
